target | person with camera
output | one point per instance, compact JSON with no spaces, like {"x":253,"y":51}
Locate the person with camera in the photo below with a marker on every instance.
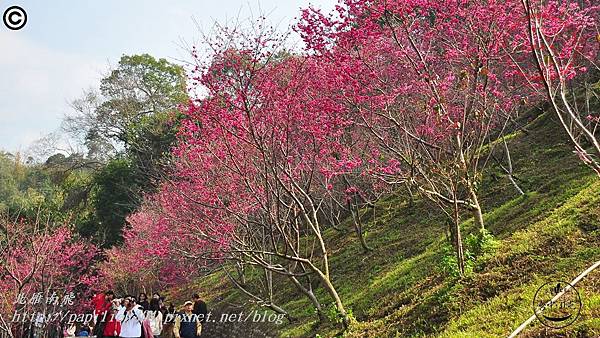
{"x":131,"y":318}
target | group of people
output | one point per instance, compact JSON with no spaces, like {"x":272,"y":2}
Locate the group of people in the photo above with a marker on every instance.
{"x":131,"y":317}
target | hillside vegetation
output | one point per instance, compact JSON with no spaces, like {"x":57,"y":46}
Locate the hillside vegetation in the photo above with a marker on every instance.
{"x":407,"y":286}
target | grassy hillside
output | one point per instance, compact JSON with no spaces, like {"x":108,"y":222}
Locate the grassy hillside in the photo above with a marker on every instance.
{"x":404,"y":288}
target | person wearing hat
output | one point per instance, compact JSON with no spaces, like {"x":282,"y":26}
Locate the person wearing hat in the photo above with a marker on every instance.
{"x":187,"y":324}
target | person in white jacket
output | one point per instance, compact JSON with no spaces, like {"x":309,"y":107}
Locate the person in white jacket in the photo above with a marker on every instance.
{"x":155,"y":317}
{"x":131,"y":318}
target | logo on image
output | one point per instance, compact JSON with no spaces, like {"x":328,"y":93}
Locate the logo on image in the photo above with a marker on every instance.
{"x":14,"y":18}
{"x":553,"y":309}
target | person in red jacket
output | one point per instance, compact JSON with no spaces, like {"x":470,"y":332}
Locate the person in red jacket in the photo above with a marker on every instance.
{"x":113,"y":326}
{"x":102,"y":306}
{"x":98,"y":302}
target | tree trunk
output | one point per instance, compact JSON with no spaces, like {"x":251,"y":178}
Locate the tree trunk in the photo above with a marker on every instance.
{"x":469,"y":182}
{"x":336,"y":297}
{"x":457,"y":239}
{"x":279,"y":310}
{"x":458,"y":245}
{"x":359,"y":228}
{"x":311,"y":295}
{"x":476,"y":208}
{"x":509,"y":172}
{"x":241,"y":270}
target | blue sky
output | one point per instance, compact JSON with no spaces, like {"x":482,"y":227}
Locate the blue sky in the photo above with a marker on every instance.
{"x":67,"y":46}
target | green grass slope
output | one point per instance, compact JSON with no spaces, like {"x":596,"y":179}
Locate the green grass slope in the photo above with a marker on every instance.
{"x":404,"y":289}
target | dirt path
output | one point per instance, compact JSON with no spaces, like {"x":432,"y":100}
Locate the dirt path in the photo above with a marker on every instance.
{"x":218,"y":326}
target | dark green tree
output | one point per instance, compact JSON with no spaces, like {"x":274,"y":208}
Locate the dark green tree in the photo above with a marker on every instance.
{"x":130,"y":125}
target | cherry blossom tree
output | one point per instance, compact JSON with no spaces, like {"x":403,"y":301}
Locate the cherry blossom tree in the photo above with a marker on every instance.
{"x":151,"y":257}
{"x":427,"y":83}
{"x":276,"y":147}
{"x":254,"y":158}
{"x":43,"y":261}
{"x":434,"y":82}
{"x":562,"y":39}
